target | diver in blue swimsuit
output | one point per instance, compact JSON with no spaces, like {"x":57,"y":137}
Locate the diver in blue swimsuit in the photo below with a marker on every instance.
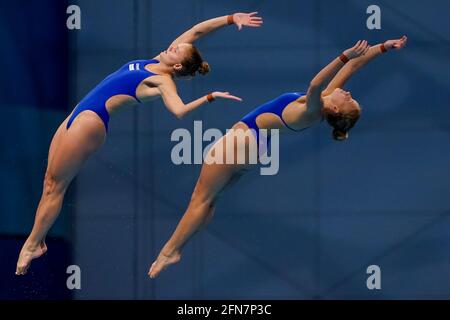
{"x":289,"y":112}
{"x":84,"y":131}
{"x":123,"y":81}
{"x":275,"y":107}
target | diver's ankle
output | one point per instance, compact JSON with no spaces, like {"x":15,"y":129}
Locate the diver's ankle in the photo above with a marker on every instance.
{"x":31,"y":245}
{"x":169,"y":251}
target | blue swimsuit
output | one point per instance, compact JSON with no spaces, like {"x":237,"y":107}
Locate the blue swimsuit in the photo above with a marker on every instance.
{"x":276,"y":106}
{"x":123,"y":81}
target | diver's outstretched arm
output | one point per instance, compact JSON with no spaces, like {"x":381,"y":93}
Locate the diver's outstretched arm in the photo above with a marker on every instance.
{"x":326,"y":75}
{"x":354,"y":65}
{"x":203,"y":28}
{"x":175,"y":104}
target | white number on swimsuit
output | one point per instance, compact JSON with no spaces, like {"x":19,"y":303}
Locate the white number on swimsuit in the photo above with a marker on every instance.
{"x":133,"y":66}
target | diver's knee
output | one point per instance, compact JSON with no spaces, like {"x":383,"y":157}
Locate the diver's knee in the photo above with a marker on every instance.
{"x":53,"y":186}
{"x":199,"y":198}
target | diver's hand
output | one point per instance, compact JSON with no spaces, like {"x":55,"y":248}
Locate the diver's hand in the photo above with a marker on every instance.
{"x":225,"y":95}
{"x":247,"y":20}
{"x":396,"y":44}
{"x":359,"y":49}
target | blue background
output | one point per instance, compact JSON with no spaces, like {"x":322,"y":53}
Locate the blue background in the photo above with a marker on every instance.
{"x":310,"y":232}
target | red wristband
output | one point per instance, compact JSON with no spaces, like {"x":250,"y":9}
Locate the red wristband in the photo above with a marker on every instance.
{"x":230,"y":19}
{"x":210,"y":98}
{"x":383,"y":48}
{"x":344,"y":58}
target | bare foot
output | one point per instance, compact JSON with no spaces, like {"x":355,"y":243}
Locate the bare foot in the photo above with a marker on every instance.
{"x":162,"y":262}
{"x":28,"y":253}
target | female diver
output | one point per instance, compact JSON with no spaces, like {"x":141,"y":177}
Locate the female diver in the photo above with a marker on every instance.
{"x":84,"y":130}
{"x":325,"y":99}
